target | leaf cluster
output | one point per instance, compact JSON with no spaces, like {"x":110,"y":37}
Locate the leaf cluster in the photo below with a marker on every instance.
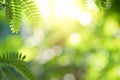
{"x":14,"y":60}
{"x":101,"y":4}
{"x":15,"y":9}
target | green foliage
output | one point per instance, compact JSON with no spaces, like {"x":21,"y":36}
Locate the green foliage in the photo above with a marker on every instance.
{"x":30,"y":10}
{"x":101,"y":4}
{"x":14,"y":60}
{"x":15,"y":9}
{"x":14,"y":14}
{"x":96,"y":57}
{"x":1,"y":4}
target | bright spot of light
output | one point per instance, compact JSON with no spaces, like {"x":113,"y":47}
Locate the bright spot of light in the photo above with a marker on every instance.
{"x":30,"y":53}
{"x":69,"y":76}
{"x":75,"y":38}
{"x":44,"y":6}
{"x":35,"y":39}
{"x":49,"y":54}
{"x":74,"y":12}
{"x":63,"y":7}
{"x":98,"y":61}
{"x":46,"y":56}
{"x":91,"y":4}
{"x":85,"y":18}
{"x":118,"y":71}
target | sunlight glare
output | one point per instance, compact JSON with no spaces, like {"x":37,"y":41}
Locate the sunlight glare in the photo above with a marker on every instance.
{"x":63,"y":7}
{"x":44,"y":6}
{"x":74,"y":12}
{"x":85,"y":18}
{"x":68,"y":8}
{"x":75,"y":38}
{"x":91,"y":5}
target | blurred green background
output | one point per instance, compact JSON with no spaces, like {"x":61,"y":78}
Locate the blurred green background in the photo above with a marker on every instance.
{"x":75,"y":41}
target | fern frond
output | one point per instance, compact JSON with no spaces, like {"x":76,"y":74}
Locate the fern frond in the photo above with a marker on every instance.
{"x":2,"y":1}
{"x":10,"y":73}
{"x":14,"y":10}
{"x":31,"y":11}
{"x":2,"y":4}
{"x":23,"y":70}
{"x":14,"y":14}
{"x":101,"y":4}
{"x":4,"y":75}
{"x":15,"y":60}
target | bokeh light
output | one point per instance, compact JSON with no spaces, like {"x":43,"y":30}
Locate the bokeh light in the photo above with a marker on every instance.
{"x":85,"y":18}
{"x":69,"y":76}
{"x":75,"y":38}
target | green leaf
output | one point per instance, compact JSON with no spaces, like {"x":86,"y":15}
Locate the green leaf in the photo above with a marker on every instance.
{"x":14,"y":14}
{"x":101,"y":4}
{"x":31,"y":11}
{"x":15,"y":60}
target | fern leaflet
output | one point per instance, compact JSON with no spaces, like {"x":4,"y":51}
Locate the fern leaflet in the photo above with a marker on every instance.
{"x":14,"y":14}
{"x":15,"y":60}
{"x":31,"y":11}
{"x":101,"y":4}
